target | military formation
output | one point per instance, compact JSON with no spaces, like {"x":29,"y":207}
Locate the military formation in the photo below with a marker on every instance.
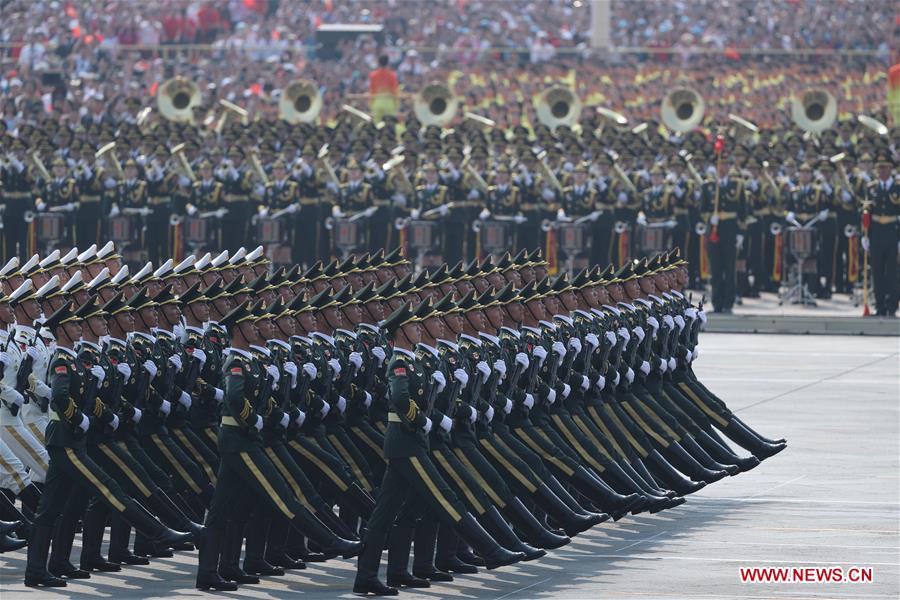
{"x":739,"y":210}
{"x":269,"y":417}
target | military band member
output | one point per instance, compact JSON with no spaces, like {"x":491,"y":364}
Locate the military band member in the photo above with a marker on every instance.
{"x":94,"y":188}
{"x":207,"y":196}
{"x":238,"y":184}
{"x":727,"y":191}
{"x":18,"y":185}
{"x":162,"y":188}
{"x":814,"y":200}
{"x":430,"y":195}
{"x":353,"y":196}
{"x":281,"y":194}
{"x":883,"y":238}
{"x":308,"y":230}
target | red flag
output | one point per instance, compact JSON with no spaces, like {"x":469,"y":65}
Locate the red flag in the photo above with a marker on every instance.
{"x":720,"y":144}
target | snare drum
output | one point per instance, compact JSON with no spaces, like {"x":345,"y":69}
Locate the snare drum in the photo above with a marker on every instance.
{"x":572,"y":238}
{"x":801,"y":242}
{"x":422,"y":235}
{"x":271,"y":231}
{"x":49,"y":227}
{"x":121,"y":229}
{"x":653,"y":240}
{"x":496,"y":236}
{"x":198,"y":231}
{"x":347,"y":233}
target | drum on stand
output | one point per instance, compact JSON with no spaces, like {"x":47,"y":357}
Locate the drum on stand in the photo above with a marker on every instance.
{"x":200,"y":231}
{"x":573,"y":238}
{"x":348,"y":236}
{"x":497,"y":237}
{"x":270,"y":231}
{"x":50,"y":228}
{"x":122,"y":230}
{"x":424,"y":239}
{"x":652,"y":240}
{"x":800,"y":245}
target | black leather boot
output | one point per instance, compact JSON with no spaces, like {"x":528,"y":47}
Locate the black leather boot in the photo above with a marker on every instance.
{"x":373,"y":587}
{"x":506,"y":537}
{"x":359,"y":501}
{"x":425,"y":537}
{"x":63,"y":538}
{"x":36,"y":573}
{"x":494,"y":554}
{"x":398,"y":575}
{"x":171,"y":514}
{"x":119,"y":538}
{"x":703,"y":457}
{"x":609,"y":500}
{"x":257,"y":532}
{"x":725,"y":455}
{"x":10,"y":543}
{"x":534,"y":532}
{"x":230,"y":555}
{"x":337,"y":525}
{"x":686,"y":463}
{"x":276,"y":548}
{"x":159,"y":536}
{"x":756,"y":434}
{"x":572,"y":522}
{"x":209,"y":547}
{"x":670,"y":476}
{"x":92,"y":529}
{"x":739,"y":434}
{"x":9,"y":526}
{"x":446,"y":559}
{"x":329,"y":543}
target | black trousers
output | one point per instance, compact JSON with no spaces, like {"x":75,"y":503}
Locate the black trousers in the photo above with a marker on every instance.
{"x":722,"y":262}
{"x":405,"y":478}
{"x":883,"y":258}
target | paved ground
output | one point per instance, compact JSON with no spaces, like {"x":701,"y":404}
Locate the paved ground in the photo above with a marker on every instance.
{"x":830,"y":499}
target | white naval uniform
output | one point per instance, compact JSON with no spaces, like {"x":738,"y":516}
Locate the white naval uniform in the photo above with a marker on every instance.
{"x":34,"y":418}
{"x":13,"y":431}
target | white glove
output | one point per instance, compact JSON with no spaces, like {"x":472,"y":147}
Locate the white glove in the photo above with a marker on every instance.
{"x":624,"y":334}
{"x":551,"y":396}
{"x":790,"y":217}
{"x":124,"y":369}
{"x":540,"y":353}
{"x":326,"y":408}
{"x":483,"y":368}
{"x":592,"y":340}
{"x":601,"y":383}
{"x":567,"y":389}
{"x":473,"y":414}
{"x":714,"y":220}
{"x":310,"y":369}
{"x":115,"y":422}
{"x":585,"y":383}
{"x":356,"y":359}
{"x":529,"y":401}
{"x":263,"y":212}
{"x":85,"y":423}
{"x":336,"y":212}
{"x":443,"y":210}
{"x":865,"y":243}
{"x":166,"y":407}
{"x":138,"y":413}
{"x":273,"y":372}
{"x":462,"y":377}
{"x":41,"y":206}
{"x":291,"y":209}
{"x":191,"y":210}
{"x":669,"y":321}
{"x":823,"y":214}
{"x":739,"y":240}
{"x":427,"y":425}
{"x":617,"y":379}
{"x":175,"y":360}
{"x":679,"y":320}
{"x":301,"y":417}
{"x":641,"y":219}
{"x":199,"y":355}
{"x":368,"y":400}
{"x":259,"y":423}
{"x":378,"y":353}
{"x":663,"y":365}
{"x":653,"y":323}
{"x":560,"y":350}
{"x":440,"y":380}
{"x":335,"y":367}
{"x":695,"y":354}
{"x":5,"y":359}
{"x":285,"y":420}
{"x":560,"y":215}
{"x":341,"y":404}
{"x":484,"y":214}
{"x":522,"y":359}
{"x":32,"y":352}
{"x":672,"y":363}
{"x":610,"y":337}
{"x":575,"y":345}
{"x":639,"y":333}
{"x":645,"y":367}
{"x":68,"y":206}
{"x":184,"y":399}
{"x":414,"y":214}
{"x":218,"y":394}
{"x":17,"y":398}
{"x":98,"y":372}
{"x":507,"y":408}
{"x":489,"y":414}
{"x":629,"y":375}
{"x":702,"y":316}
{"x":500,"y":367}
{"x":446,"y":424}
{"x":291,"y":369}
